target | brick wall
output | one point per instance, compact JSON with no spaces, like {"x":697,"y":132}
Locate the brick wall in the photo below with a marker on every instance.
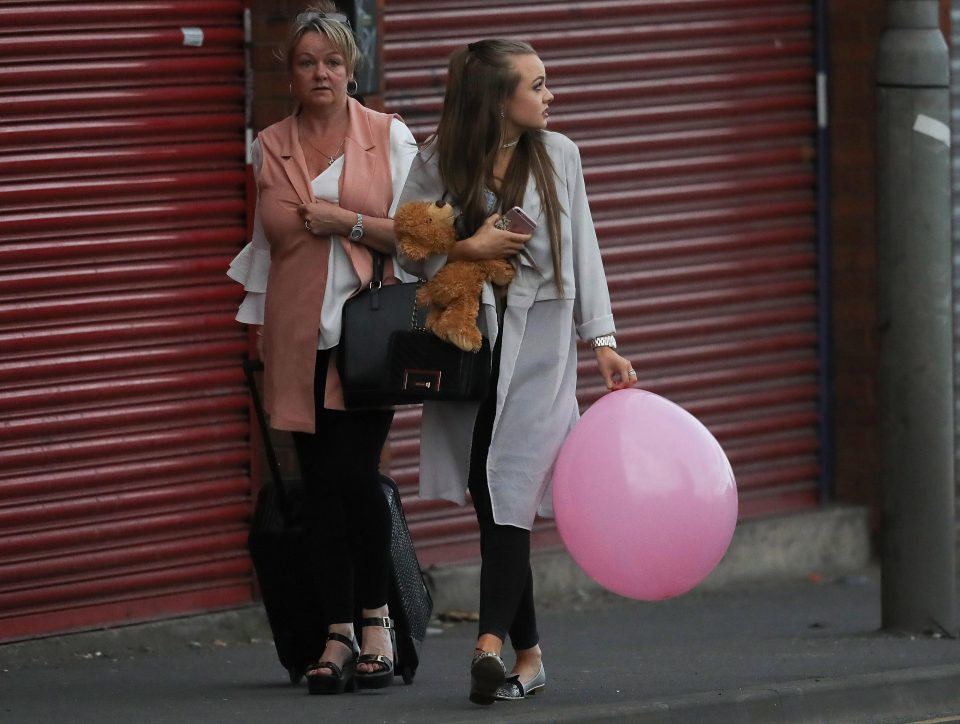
{"x":854,"y":26}
{"x":271,"y":96}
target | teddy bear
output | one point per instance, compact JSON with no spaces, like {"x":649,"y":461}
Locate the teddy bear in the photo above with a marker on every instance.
{"x":426,"y":228}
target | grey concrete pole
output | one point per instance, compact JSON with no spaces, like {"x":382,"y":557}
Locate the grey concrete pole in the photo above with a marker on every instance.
{"x":916,"y":322}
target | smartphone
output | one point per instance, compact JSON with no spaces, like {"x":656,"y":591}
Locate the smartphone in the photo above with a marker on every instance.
{"x":517,"y":221}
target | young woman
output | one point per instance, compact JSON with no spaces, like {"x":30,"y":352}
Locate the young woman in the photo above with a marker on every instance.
{"x":327,"y":178}
{"x":491,"y":152}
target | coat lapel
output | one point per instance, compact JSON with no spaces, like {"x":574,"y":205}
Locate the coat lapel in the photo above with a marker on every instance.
{"x":360,"y":167}
{"x":294,"y":162}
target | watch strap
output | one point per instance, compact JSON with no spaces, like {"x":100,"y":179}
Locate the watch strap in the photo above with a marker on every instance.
{"x":604,"y":340}
{"x":356,"y":233}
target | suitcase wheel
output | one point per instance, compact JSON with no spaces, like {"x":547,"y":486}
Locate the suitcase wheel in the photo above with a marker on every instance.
{"x":296,"y":674}
{"x":407,"y":673}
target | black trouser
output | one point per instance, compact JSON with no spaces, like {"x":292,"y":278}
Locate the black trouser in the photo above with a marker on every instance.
{"x":346,"y":515}
{"x":506,"y":581}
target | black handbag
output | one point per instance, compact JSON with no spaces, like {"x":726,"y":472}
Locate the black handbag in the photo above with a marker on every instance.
{"x":386,"y":356}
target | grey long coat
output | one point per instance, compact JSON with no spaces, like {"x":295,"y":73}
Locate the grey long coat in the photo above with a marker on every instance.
{"x":536,"y":394}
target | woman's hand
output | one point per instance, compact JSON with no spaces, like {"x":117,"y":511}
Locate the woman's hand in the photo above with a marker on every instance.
{"x":325,"y":219}
{"x":489,"y":243}
{"x":616,"y":371}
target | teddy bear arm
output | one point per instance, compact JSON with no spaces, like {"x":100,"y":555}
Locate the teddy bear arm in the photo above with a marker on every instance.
{"x":500,"y":271}
{"x":412,"y":250}
{"x":457,"y":324}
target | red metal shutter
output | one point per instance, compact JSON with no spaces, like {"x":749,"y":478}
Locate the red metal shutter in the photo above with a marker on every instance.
{"x":696,"y":122}
{"x":124,"y":454}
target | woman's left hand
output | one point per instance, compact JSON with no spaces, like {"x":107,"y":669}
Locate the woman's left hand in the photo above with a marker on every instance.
{"x":616,"y":371}
{"x":322,"y":218}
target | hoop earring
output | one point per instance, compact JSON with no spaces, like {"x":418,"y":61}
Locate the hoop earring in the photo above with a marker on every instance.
{"x":356,"y":87}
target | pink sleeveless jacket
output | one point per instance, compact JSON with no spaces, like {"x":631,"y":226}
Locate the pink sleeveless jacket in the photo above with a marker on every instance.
{"x":298,"y":259}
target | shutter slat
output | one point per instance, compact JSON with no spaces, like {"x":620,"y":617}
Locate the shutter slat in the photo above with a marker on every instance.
{"x":105,"y":475}
{"x":64,"y":569}
{"x":126,"y":582}
{"x":119,"y":501}
{"x":95,"y":535}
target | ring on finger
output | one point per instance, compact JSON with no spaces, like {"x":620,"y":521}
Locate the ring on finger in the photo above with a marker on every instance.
{"x":632,"y":372}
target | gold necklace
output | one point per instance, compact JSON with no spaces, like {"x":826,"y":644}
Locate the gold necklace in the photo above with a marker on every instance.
{"x":330,"y":159}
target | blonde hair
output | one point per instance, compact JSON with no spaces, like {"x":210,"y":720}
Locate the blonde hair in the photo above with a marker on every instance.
{"x":315,"y":19}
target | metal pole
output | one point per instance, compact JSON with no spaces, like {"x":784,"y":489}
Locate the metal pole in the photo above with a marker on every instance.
{"x":916,"y":321}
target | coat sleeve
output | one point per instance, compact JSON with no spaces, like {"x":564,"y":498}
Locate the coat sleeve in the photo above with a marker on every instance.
{"x":592,"y":312}
{"x":403,"y":150}
{"x":423,"y":184}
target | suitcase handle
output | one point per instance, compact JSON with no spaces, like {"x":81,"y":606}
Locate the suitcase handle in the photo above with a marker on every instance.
{"x":250,"y":367}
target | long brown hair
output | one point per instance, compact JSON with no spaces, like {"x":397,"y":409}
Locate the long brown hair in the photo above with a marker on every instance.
{"x":481,"y":78}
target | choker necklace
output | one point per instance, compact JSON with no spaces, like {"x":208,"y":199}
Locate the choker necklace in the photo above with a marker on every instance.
{"x":511,"y":144}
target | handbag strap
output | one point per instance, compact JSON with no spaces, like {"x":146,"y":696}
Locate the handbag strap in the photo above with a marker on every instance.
{"x":376,"y":283}
{"x":378,"y":265}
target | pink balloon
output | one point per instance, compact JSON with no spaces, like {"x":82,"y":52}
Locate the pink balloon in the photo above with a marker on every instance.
{"x":644,"y":496}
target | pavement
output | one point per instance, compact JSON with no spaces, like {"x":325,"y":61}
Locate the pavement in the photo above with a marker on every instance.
{"x":796,"y":650}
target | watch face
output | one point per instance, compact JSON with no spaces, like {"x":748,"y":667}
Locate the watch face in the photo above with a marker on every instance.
{"x":356,"y":234}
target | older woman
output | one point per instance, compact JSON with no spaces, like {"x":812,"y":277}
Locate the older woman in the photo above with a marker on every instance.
{"x":327,"y":179}
{"x":492,"y":152}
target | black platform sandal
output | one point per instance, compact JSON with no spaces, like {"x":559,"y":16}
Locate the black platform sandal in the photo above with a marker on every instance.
{"x":487,"y":675}
{"x":341,"y":678}
{"x":384,"y":675}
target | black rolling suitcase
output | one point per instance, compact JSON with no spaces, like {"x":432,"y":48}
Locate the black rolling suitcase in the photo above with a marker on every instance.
{"x":411,"y":605}
{"x":276,"y":543}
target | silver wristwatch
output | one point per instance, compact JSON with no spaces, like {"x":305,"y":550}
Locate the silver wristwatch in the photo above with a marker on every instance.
{"x":606,"y":340}
{"x":356,"y":233}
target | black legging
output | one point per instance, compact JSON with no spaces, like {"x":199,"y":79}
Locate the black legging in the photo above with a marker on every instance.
{"x":346,"y":515}
{"x":506,"y":581}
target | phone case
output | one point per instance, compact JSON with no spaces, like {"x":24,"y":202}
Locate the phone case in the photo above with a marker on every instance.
{"x":517,"y":221}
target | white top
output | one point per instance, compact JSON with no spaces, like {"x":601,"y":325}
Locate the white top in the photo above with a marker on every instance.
{"x":251,"y":267}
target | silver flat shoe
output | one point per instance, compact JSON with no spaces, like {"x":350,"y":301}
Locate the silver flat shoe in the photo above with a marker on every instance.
{"x":487,"y":675}
{"x":513,"y":689}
